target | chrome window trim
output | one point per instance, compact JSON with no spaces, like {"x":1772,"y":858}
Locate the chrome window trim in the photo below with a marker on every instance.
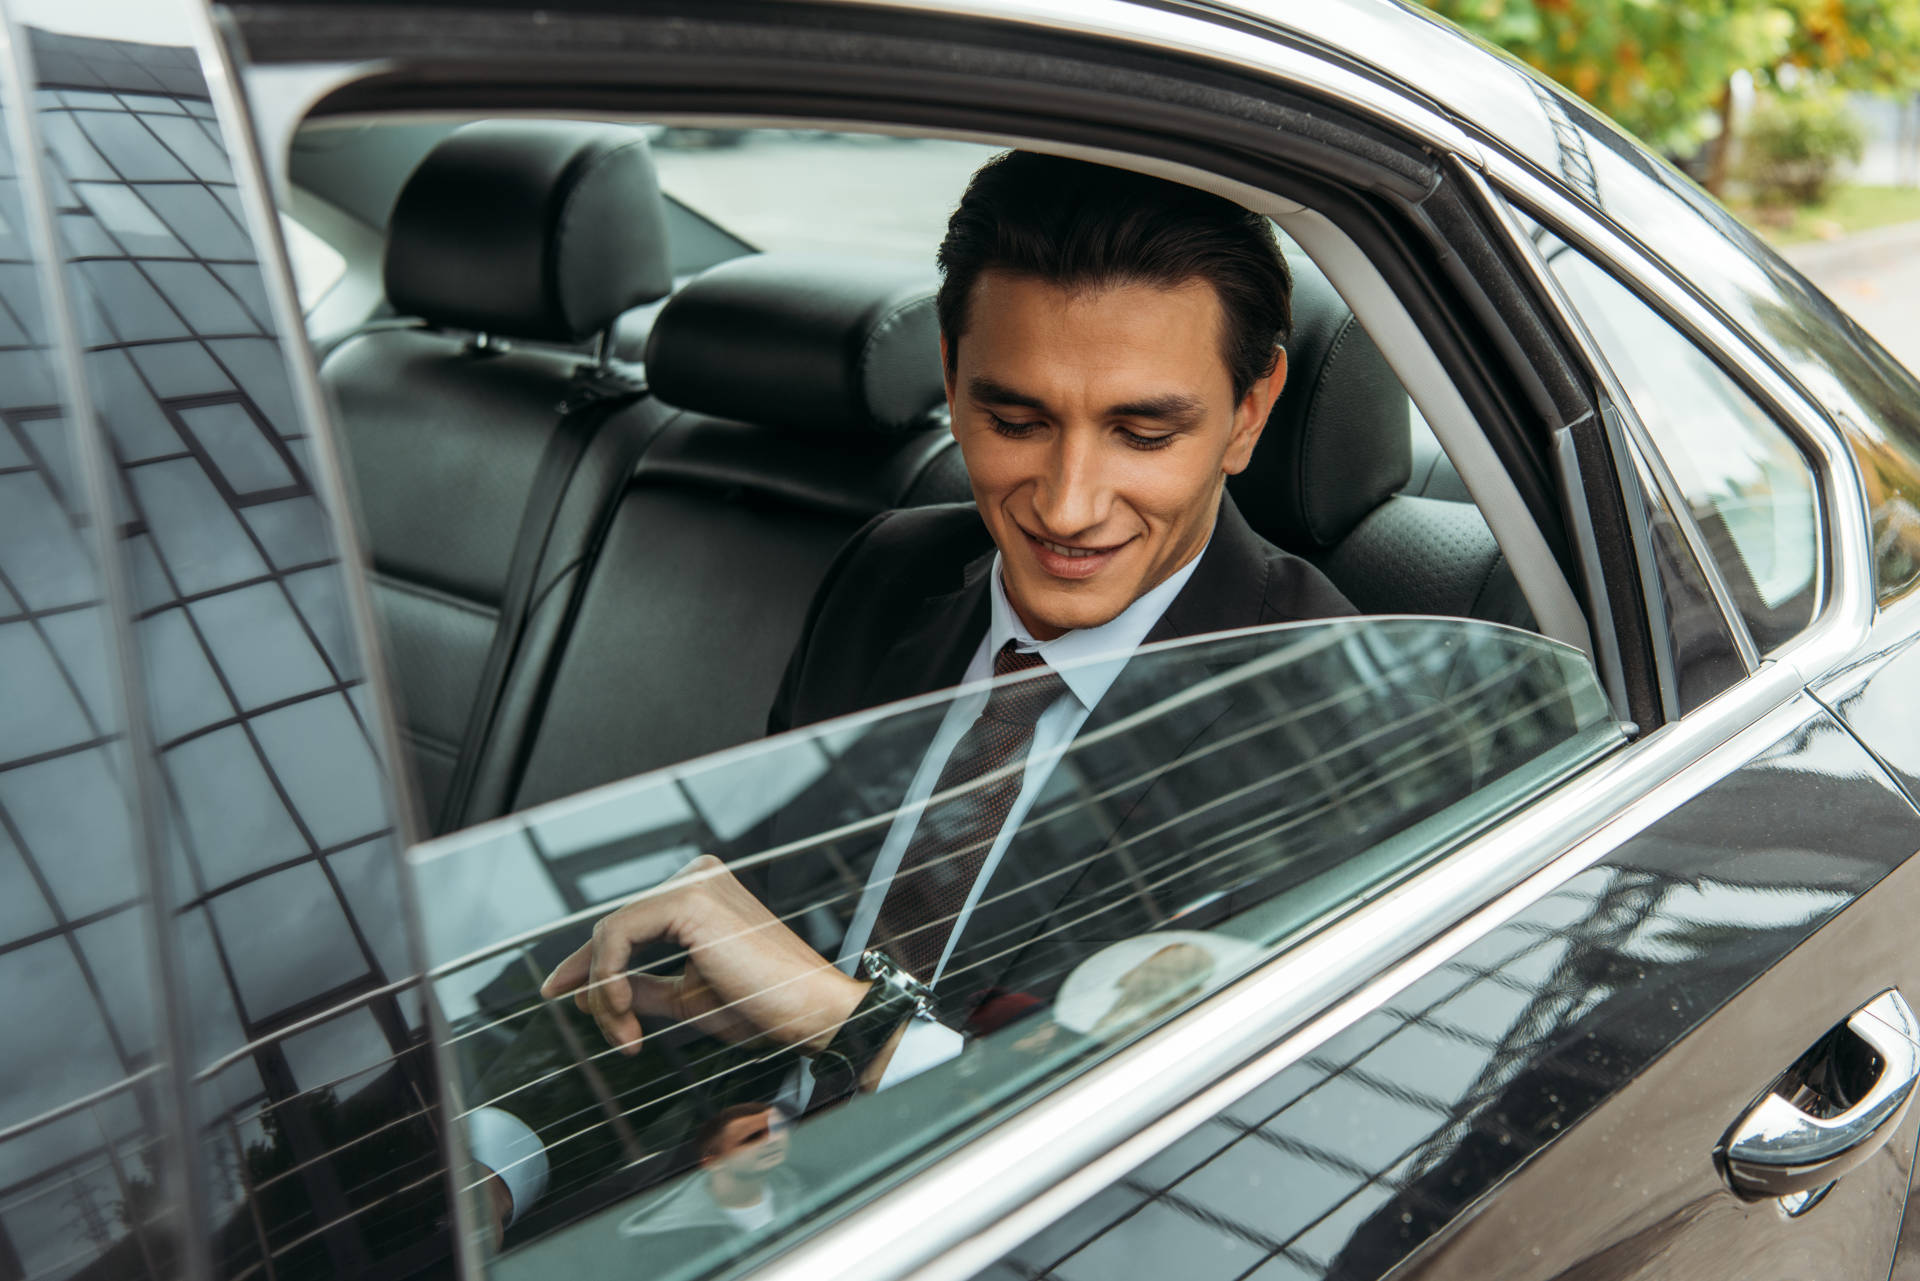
{"x":1848,"y":606}
{"x":1166,"y":31}
{"x":1019,"y":1177}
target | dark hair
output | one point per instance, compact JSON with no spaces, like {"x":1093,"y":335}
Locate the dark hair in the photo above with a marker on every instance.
{"x":716,"y":1125}
{"x":1078,"y":224}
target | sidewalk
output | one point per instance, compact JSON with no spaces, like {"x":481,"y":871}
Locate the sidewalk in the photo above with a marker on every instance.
{"x":1875,"y":276}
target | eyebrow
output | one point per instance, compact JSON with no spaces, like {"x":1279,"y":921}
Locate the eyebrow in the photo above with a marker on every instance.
{"x":1172,"y":407}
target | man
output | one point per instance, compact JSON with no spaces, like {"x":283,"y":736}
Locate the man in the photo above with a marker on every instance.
{"x":1112,"y":348}
{"x":741,"y":1186}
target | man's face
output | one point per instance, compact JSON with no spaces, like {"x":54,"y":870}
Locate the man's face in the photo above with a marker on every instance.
{"x":1098,"y":429}
{"x":750,"y":1144}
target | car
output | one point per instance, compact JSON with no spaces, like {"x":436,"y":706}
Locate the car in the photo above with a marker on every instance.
{"x":425,"y":427}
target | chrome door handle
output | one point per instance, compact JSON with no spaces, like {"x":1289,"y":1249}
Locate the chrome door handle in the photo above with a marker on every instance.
{"x":1778,"y":1148}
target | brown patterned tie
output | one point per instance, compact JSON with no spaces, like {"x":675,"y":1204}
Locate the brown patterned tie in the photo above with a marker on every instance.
{"x":954,"y":836}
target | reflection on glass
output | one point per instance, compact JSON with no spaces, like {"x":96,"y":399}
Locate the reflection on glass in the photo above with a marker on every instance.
{"x":1748,"y":489}
{"x":1348,"y":1161}
{"x":84,"y":1175}
{"x":1875,"y":399}
{"x":1699,"y":640}
{"x":317,"y":1152}
{"x":1227,"y":795}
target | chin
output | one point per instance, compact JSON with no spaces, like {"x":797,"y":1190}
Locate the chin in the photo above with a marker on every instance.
{"x":1076,"y":613}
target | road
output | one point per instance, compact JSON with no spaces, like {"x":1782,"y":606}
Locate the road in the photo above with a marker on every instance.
{"x":1876,"y":277}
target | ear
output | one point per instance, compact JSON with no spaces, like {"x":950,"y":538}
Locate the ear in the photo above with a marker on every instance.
{"x":1250,"y":416}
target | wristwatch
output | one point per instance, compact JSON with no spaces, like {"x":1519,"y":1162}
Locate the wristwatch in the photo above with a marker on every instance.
{"x":893,"y":996}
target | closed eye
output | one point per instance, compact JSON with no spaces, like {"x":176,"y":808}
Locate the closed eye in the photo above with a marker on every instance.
{"x":1015,"y":430}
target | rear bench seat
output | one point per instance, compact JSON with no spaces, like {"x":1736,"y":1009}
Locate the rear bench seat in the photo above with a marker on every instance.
{"x":811,"y":399}
{"x":484,"y":455}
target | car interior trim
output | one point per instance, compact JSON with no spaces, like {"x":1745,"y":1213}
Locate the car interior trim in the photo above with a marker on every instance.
{"x":1080,"y":1138}
{"x":1639,"y":441}
{"x":1162,"y":31}
{"x":1454,"y":425}
{"x":1606,"y":645}
{"x":1846,"y":568}
{"x":1573,"y":488}
{"x":1640,"y":531}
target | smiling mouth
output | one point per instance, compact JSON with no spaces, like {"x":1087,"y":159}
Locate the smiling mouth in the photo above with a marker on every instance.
{"x":1064,"y":560}
{"x":1061,"y":549}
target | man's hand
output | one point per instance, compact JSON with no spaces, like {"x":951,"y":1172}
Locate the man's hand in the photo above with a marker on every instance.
{"x":500,"y":1206}
{"x":747,"y":975}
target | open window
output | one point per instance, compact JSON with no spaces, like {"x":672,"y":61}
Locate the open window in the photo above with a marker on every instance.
{"x":594,"y":546}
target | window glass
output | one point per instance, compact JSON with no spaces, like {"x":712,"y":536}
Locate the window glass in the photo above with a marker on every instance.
{"x":86,"y":1184}
{"x":1231,"y":794}
{"x":890,"y":196}
{"x":316,"y":1152}
{"x":1748,"y":488}
{"x":1700,"y":657}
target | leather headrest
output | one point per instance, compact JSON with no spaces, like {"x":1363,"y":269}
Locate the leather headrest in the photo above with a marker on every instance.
{"x":811,"y":342}
{"x":533,"y":229}
{"x":1336,"y":445}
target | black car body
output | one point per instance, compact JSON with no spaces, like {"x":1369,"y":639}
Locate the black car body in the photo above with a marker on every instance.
{"x":303,"y":681}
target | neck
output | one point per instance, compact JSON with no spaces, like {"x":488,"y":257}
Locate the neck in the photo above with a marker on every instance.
{"x":735,"y":1191}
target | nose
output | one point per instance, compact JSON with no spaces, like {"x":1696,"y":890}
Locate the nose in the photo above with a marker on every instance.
{"x":1072,"y":493}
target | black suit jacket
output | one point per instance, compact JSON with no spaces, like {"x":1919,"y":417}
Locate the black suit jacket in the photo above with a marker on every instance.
{"x":904,"y":605}
{"x":1102,"y":855}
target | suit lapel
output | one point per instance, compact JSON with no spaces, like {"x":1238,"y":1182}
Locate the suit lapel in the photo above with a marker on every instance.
{"x":934,"y":648}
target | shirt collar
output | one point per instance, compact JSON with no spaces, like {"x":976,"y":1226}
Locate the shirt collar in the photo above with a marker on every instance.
{"x":1089,"y":659}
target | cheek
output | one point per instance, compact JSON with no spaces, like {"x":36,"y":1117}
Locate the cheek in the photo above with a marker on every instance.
{"x":1166,"y":489}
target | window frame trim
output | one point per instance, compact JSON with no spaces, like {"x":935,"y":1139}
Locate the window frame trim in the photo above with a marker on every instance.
{"x":1846,"y":601}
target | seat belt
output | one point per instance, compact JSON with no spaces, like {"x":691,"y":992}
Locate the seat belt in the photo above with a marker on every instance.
{"x":596,"y":394}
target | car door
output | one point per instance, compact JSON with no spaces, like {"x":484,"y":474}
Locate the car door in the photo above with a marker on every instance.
{"x":1686,"y":911}
{"x":200,"y":833}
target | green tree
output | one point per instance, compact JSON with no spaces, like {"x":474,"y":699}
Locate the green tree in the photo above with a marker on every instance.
{"x":1661,"y":67}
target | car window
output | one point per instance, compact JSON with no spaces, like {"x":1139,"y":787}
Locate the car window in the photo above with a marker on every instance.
{"x":1235,"y":794}
{"x":83,"y":1076}
{"x":270,"y":819}
{"x":889,"y":195}
{"x":1748,"y":488}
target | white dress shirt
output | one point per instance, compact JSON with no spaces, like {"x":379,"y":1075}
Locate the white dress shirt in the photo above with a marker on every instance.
{"x":1087,"y":662}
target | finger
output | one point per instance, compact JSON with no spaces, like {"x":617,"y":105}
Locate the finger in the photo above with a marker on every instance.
{"x":568,"y":975}
{"x":656,"y":997}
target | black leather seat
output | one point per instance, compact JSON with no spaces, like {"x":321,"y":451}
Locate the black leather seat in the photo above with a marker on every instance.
{"x":813,"y":400}
{"x":485,"y":449}
{"x":1327,"y":479}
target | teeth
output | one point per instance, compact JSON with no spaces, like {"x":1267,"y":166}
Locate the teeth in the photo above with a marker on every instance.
{"x":1059,"y":549}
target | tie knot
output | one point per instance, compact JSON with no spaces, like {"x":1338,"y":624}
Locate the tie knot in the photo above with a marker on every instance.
{"x":1022,"y":702}
{"x":1010,"y":660}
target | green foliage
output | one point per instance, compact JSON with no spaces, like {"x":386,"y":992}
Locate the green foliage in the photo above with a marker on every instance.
{"x":1794,"y":141}
{"x":1660,"y":67}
